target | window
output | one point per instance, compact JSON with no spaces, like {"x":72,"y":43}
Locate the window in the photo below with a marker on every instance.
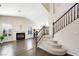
{"x":7,"y":29}
{"x":29,"y":30}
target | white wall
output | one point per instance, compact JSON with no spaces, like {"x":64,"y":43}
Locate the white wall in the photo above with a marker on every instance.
{"x":56,"y":11}
{"x":60,"y":9}
{"x":69,"y":36}
{"x":51,"y":20}
{"x":19,"y":24}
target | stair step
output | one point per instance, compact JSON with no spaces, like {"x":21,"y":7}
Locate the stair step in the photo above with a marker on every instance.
{"x":52,"y":50}
{"x":52,"y":44}
{"x":46,"y":36}
{"x":50,"y":41}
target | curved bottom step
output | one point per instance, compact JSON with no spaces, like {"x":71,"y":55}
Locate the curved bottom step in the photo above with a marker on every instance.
{"x":53,"y":51}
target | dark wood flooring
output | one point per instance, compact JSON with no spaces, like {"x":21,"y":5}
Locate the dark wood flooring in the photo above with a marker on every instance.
{"x":22,"y":48}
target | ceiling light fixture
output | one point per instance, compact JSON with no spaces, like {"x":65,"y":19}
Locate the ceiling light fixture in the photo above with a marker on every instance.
{"x":0,"y":5}
{"x":19,"y":11}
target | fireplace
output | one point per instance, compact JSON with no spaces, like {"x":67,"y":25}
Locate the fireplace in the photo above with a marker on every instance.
{"x":20,"y":36}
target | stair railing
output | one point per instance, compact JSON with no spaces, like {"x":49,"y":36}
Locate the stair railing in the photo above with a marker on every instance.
{"x":39,"y":34}
{"x":68,"y":17}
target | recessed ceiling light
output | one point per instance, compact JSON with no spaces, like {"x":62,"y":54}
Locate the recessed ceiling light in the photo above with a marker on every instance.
{"x":0,"y":5}
{"x":19,"y":11}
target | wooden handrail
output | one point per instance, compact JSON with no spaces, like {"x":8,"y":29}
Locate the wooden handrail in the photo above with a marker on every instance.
{"x":40,"y":29}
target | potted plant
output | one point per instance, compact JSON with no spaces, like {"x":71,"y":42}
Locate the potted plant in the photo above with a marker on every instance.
{"x":1,"y":38}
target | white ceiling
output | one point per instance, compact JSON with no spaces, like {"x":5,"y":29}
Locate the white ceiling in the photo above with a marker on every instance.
{"x":33,"y":11}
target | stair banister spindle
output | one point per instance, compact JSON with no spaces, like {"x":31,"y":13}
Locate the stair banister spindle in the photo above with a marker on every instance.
{"x":53,"y":30}
{"x":64,"y":21}
{"x":75,"y":12}
{"x":67,"y":18}
{"x":78,"y":11}
{"x":57,"y":26}
{"x":72,"y":14}
{"x":37,"y":35}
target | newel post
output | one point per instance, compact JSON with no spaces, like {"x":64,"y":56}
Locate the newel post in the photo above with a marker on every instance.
{"x":35,"y":36}
{"x":53,"y":30}
{"x":34,"y":33}
{"x":43,"y":30}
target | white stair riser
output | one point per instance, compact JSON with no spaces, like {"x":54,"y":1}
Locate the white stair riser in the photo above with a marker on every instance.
{"x":52,"y":48}
{"x":51,"y":41}
{"x":55,"y":46}
{"x":47,"y":44}
{"x":55,"y":41}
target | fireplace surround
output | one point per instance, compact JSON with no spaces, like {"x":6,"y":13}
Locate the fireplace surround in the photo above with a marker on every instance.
{"x":20,"y":36}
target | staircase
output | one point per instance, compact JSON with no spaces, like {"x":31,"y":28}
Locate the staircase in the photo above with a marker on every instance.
{"x":46,"y":43}
{"x":51,"y":46}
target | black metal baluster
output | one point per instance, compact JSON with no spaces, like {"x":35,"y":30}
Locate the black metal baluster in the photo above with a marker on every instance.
{"x":74,"y":13}
{"x":59,"y":25}
{"x":66,"y":19}
{"x":56,"y":27}
{"x":53,"y":30}
{"x":62,"y":23}
{"x":71,"y":15}
{"x":78,"y":11}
